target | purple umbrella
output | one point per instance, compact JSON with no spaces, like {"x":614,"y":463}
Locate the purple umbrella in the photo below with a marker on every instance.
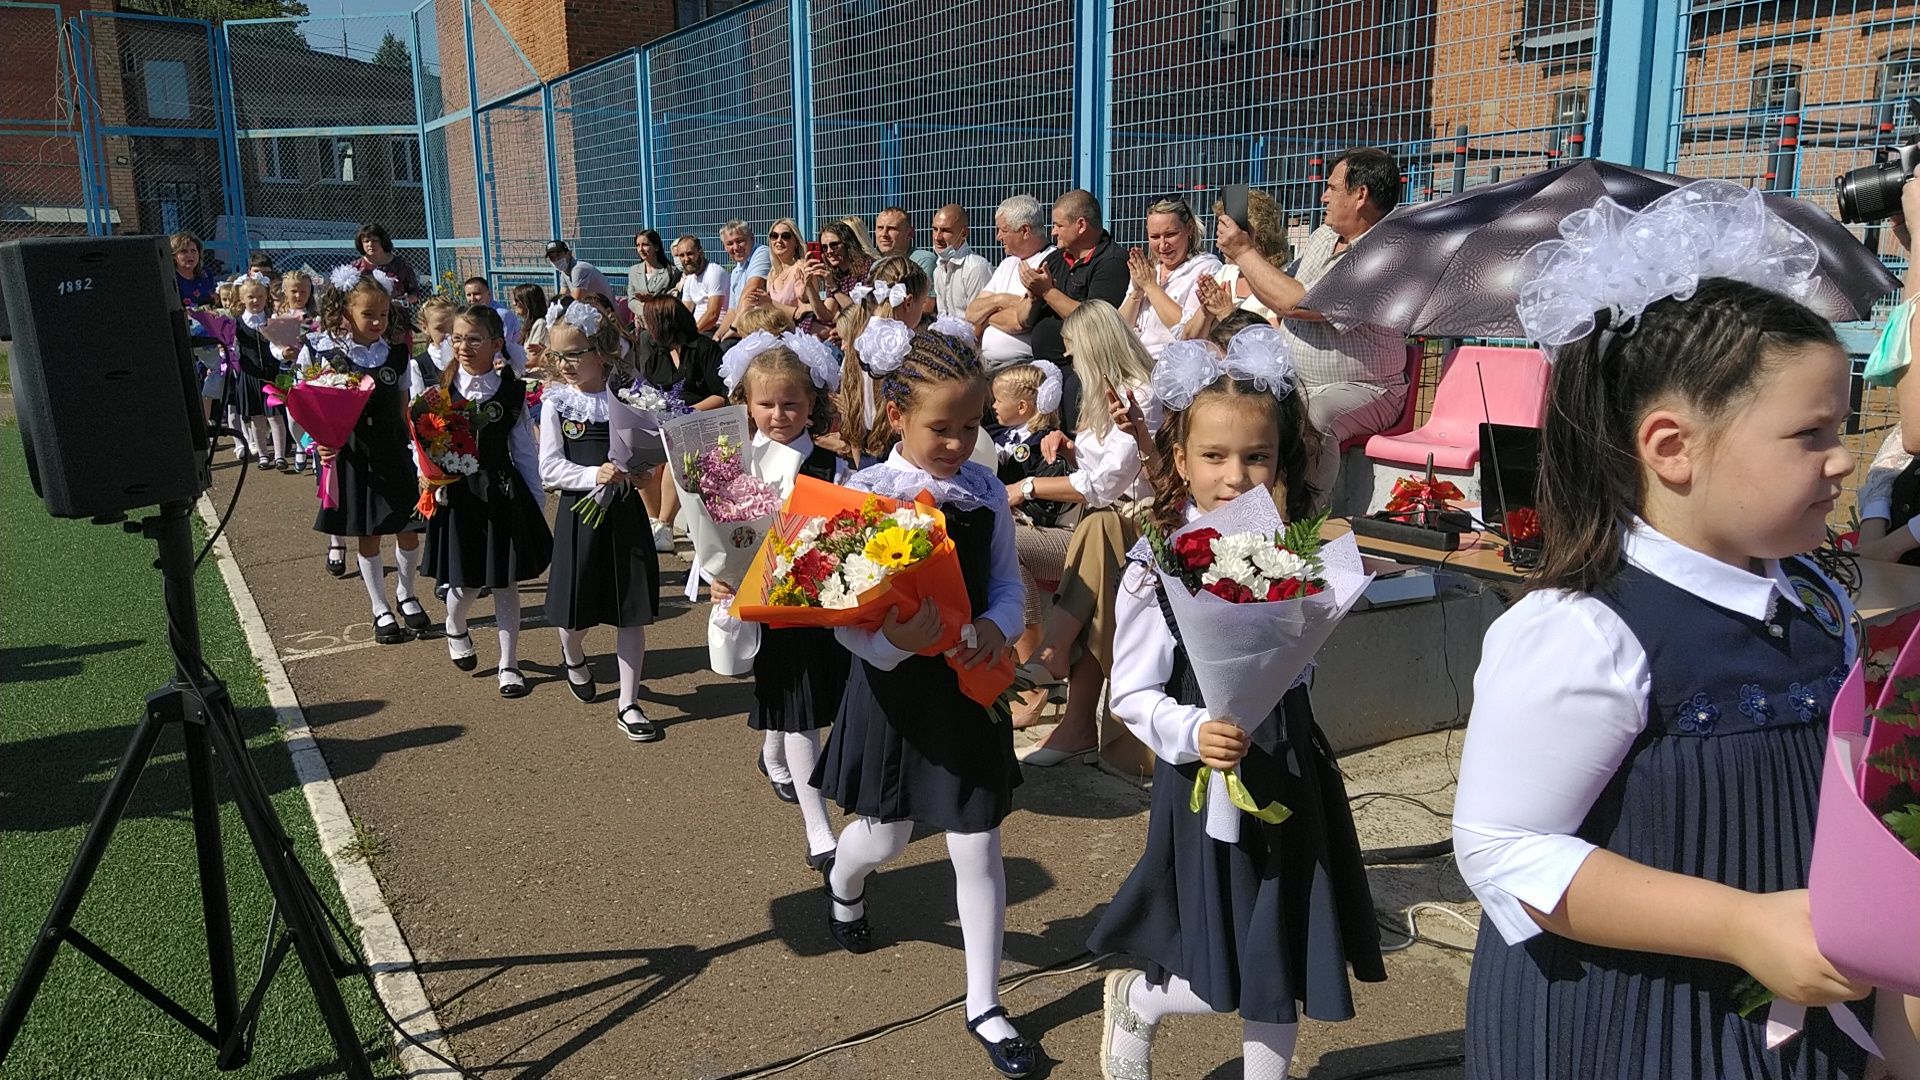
{"x":1450,"y":268}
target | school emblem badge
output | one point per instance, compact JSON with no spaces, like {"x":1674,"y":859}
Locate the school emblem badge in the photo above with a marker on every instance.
{"x":388,"y":376}
{"x":492,"y":411}
{"x":572,"y":429}
{"x":1021,"y":452}
{"x":1821,"y":603}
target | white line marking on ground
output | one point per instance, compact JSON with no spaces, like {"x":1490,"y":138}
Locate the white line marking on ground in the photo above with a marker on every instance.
{"x":315,"y":654}
{"x":381,"y":942}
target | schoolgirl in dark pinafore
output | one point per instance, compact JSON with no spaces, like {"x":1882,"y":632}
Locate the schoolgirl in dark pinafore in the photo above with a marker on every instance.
{"x":907,"y":745}
{"x":1722,"y":785}
{"x":492,"y":530}
{"x":607,"y":575}
{"x":800,"y":673}
{"x":378,"y":483}
{"x":1269,"y":926}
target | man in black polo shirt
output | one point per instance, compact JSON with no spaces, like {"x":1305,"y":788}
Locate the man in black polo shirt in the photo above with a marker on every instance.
{"x":1085,"y":265}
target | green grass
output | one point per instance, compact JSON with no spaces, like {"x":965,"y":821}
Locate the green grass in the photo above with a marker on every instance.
{"x":81,"y":644}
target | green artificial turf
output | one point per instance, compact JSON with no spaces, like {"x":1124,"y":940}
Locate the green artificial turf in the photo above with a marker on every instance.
{"x":82,"y":642}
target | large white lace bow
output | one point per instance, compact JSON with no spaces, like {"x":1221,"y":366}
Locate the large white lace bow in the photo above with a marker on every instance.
{"x":883,"y":346}
{"x":1616,"y":260}
{"x":954,"y":327}
{"x":1047,"y":398}
{"x":1259,"y":355}
{"x":347,"y":275}
{"x":733,"y":366}
{"x":817,"y":355}
{"x":582,"y":316}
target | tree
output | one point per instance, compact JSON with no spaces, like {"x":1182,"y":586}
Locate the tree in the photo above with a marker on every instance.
{"x":219,"y":10}
{"x":393,"y":53}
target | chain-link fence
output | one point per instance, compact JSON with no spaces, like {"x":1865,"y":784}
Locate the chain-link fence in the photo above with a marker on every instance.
{"x":42,"y":189}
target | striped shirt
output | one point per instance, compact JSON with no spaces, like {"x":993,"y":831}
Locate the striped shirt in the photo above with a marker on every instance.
{"x":1324,"y":352}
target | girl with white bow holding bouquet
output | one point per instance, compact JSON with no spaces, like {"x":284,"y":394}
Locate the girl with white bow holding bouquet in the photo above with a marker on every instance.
{"x":1250,"y":896}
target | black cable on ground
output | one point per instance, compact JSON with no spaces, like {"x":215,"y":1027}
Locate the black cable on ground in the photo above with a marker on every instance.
{"x":1439,"y":849}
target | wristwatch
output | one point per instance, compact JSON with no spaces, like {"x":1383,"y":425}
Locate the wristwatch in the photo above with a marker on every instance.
{"x":1026,"y":489}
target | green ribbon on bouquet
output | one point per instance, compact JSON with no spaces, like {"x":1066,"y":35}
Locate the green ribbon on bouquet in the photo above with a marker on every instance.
{"x":1237,"y":794}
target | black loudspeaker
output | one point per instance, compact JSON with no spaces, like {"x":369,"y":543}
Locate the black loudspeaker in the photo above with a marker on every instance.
{"x":103,"y":374}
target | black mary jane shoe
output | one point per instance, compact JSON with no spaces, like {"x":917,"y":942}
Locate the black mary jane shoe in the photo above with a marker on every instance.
{"x":584,"y":691}
{"x":785,"y":792}
{"x":440,"y":591}
{"x":821,"y":863}
{"x":337,"y":565}
{"x":469,"y":661}
{"x":515,"y":689}
{"x":388,"y":631}
{"x":417,"y":618}
{"x":856,"y":936}
{"x":638,"y":729}
{"x":1013,"y":1057}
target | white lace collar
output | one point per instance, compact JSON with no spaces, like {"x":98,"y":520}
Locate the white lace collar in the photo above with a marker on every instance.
{"x":362,"y":356}
{"x":573,"y":403}
{"x":973,"y":487}
{"x":254,"y":320}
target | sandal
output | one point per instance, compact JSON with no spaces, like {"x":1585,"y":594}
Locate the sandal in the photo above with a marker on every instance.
{"x":584,"y":691}
{"x":855,"y":936}
{"x":417,"y":618}
{"x":467,"y":662}
{"x":1012,"y":1057}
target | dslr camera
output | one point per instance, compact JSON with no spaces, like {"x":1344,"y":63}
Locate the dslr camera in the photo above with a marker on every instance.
{"x":1872,"y":192}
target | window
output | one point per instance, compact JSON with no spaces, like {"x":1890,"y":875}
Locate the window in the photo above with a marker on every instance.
{"x":1569,"y":108}
{"x":403,"y":151}
{"x":178,"y":204}
{"x":1299,"y":26}
{"x":166,"y":82}
{"x":1770,"y":85}
{"x":1399,"y":31}
{"x":1899,"y":86}
{"x":336,"y":161}
{"x":1220,"y":25}
{"x":277,"y":162}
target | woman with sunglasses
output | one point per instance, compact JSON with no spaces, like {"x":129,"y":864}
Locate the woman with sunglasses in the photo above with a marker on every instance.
{"x":786,"y":280}
{"x":843,"y":263}
{"x":1165,"y":292}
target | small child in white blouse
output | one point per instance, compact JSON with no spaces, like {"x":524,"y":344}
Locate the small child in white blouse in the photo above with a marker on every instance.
{"x":1267,"y":926}
{"x":1641,"y":771}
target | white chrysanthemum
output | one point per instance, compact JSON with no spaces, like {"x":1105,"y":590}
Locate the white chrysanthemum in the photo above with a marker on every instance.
{"x":781,"y":564}
{"x":861,"y":573}
{"x":809,"y":534}
{"x":1279,"y":564}
{"x":834,"y":595}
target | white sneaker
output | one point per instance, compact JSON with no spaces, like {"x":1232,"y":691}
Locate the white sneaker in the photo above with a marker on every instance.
{"x":662,"y":537}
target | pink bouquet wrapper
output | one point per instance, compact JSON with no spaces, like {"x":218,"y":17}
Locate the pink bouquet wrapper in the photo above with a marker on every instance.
{"x":328,"y":413}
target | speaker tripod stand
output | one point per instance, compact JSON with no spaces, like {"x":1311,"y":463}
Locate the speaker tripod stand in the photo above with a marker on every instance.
{"x":197,"y":701}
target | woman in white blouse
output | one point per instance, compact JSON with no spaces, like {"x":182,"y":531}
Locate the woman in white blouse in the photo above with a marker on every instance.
{"x":1109,"y":481}
{"x":1165,"y":295}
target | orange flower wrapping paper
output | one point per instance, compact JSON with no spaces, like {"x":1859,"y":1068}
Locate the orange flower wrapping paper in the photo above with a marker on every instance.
{"x":936,"y":577}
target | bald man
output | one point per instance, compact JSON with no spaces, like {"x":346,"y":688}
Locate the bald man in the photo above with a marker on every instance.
{"x":960,"y":273}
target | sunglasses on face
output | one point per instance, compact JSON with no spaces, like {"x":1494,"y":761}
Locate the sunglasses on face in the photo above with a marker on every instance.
{"x":781,"y":235}
{"x":832,"y":245}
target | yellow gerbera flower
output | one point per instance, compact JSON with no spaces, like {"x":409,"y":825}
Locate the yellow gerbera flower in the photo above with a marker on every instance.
{"x":890,"y":548}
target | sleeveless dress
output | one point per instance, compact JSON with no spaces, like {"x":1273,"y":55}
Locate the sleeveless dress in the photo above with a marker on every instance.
{"x":800,"y":672}
{"x":907,"y":745}
{"x":378,"y":482}
{"x":1266,"y":927}
{"x":1722,"y":785}
{"x":606,"y":576}
{"x":493,"y":530}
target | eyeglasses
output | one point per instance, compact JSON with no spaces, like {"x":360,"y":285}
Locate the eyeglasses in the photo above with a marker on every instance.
{"x":568,"y":354}
{"x":471,"y":342}
{"x":781,"y":235}
{"x":833,"y":245}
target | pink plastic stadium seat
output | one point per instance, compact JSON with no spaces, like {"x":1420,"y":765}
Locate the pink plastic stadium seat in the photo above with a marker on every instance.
{"x":1516,"y":382}
{"x":1416,"y":358}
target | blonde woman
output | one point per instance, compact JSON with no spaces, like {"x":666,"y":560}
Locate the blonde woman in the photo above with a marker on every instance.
{"x":1109,"y":482}
{"x":1240,"y":211}
{"x":1164,"y":293}
{"x":786,"y":279}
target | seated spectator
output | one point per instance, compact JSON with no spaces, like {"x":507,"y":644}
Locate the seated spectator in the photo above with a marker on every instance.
{"x":786,"y":269}
{"x":746,"y":277}
{"x":655,"y":274}
{"x":578,"y":278}
{"x":703,"y":285}
{"x":1077,"y":641}
{"x":959,"y":273}
{"x":843,"y":264}
{"x":1085,"y":265}
{"x":1355,"y":376}
{"x":1253,"y":214}
{"x":1002,"y":313}
{"x":1164,"y":294}
{"x":893,"y":237}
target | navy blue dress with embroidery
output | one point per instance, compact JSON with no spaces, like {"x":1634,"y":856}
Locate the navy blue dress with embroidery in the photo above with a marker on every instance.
{"x":800,"y":672}
{"x":1722,"y":785}
{"x":1266,"y":927}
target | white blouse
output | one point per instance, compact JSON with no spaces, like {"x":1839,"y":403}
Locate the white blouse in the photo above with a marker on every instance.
{"x":520,"y":442}
{"x":972,"y":487}
{"x":1142,"y":664}
{"x":1183,"y":286}
{"x":1560,"y":697}
{"x":559,"y":404}
{"x":1107,"y":468}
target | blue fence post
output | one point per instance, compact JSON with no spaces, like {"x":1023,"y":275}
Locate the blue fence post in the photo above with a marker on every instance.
{"x":480,"y":159}
{"x":91,"y":161}
{"x":420,"y":144}
{"x":1092,"y":74}
{"x":800,"y":48}
{"x":233,"y":175}
{"x":553,"y":161}
{"x":1635,"y":56}
{"x":643,"y":92}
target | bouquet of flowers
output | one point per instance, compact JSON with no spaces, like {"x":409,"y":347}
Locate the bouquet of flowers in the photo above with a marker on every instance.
{"x":1254,"y":598}
{"x":711,"y":462}
{"x":326,"y":402}
{"x":444,"y":441}
{"x":634,"y":415}
{"x":839,"y":557}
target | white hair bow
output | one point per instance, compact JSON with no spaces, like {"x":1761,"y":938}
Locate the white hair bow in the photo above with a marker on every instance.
{"x":817,"y":355}
{"x":1258,"y":354}
{"x":259,"y":276}
{"x":895,"y":294}
{"x":344,"y":277}
{"x":1615,"y":260}
{"x":733,"y":366}
{"x":859,"y":293}
{"x":954,"y":327}
{"x":579,"y":314}
{"x":385,"y":280}
{"x":1047,"y":398}
{"x":883,"y":346}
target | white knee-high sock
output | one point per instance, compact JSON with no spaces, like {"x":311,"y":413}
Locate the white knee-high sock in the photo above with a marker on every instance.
{"x":506,"y":616}
{"x":980,"y":891}
{"x":773,"y":754}
{"x":237,"y":425}
{"x":278,"y":422}
{"x":865,"y":846}
{"x":803,"y":751}
{"x":1267,"y":1049}
{"x":373,"y":574}
{"x":630,"y":649}
{"x":258,"y":434}
{"x":459,"y":602}
{"x":335,"y":543}
{"x":408,"y":559}
{"x":573,"y":647}
{"x":1174,"y":998}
